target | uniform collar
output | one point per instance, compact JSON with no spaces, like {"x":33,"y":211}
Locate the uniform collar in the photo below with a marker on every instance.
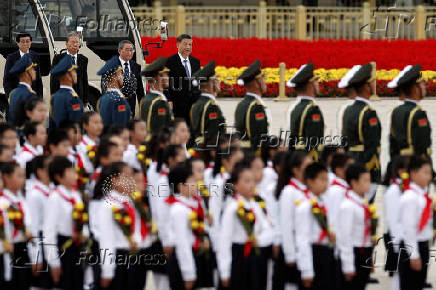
{"x":363,"y":100}
{"x":411,"y":101}
{"x":354,"y":196}
{"x":37,"y":183}
{"x":307,"y":98}
{"x":298,"y":183}
{"x":26,"y":85}
{"x":122,"y":61}
{"x":158,"y":93}
{"x":10,"y":195}
{"x":114,"y":90}
{"x":418,"y":189}
{"x":187,"y":200}
{"x":67,"y":87}
{"x":115,"y":197}
{"x":35,"y":150}
{"x":88,"y":141}
{"x":64,"y":191}
{"x":210,"y":96}
{"x":182,"y":59}
{"x":341,"y":181}
{"x":257,"y":97}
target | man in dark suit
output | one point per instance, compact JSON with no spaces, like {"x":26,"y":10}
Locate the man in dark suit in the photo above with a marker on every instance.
{"x":10,"y":81}
{"x":182,"y":66}
{"x":81,"y":87}
{"x":132,"y":87}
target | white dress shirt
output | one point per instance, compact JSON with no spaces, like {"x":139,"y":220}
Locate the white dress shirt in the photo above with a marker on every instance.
{"x":233,"y":232}
{"x":286,"y":216}
{"x":84,"y":142}
{"x":129,"y":157}
{"x":188,"y":63}
{"x":122,"y":61}
{"x":333,"y":198}
{"x":75,"y":57}
{"x":307,"y":233}
{"x":412,"y":204}
{"x":391,"y":211}
{"x":351,"y":230}
{"x":58,"y":220}
{"x":28,"y":152}
{"x":16,"y":200}
{"x":23,"y":53}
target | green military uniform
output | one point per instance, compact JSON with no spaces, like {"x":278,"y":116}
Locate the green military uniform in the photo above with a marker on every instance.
{"x":410,"y":132}
{"x":362,"y":128}
{"x":207,"y":119}
{"x":307,"y":122}
{"x":154,"y":107}
{"x":251,"y":119}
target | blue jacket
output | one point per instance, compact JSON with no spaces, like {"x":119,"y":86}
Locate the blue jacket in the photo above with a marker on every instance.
{"x":65,"y":104}
{"x":114,"y":108}
{"x":17,"y":96}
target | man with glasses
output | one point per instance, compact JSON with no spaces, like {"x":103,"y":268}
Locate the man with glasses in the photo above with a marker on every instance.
{"x":81,"y":87}
{"x":10,"y":81}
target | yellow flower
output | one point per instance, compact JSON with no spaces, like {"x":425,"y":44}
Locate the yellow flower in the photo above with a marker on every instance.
{"x":191,"y":151}
{"x":136,"y":195}
{"x":140,"y":156}
{"x":316,"y":210}
{"x":201,"y":226}
{"x":153,"y":227}
{"x":193,"y":215}
{"x":85,"y":217}
{"x":18,"y":215}
{"x":313,"y":201}
{"x":114,"y":208}
{"x":142,"y":148}
{"x":241,"y":211}
{"x":79,"y":206}
{"x":147,"y":161}
{"x":117,"y":217}
{"x":75,"y":215}
{"x":11,"y":215}
{"x":262,"y":204}
{"x":91,"y":154}
{"x":250,"y":216}
{"x":77,"y":169}
{"x":222,"y":169}
{"x":240,"y":203}
{"x":85,"y":179}
{"x":372,"y":209}
{"x":194,"y":224}
{"x":404,"y":175}
{"x":127,"y":220}
{"x":88,"y":147}
{"x":298,"y":202}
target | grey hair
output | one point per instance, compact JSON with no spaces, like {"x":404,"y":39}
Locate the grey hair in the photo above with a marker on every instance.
{"x":71,"y":34}
{"x":124,"y":42}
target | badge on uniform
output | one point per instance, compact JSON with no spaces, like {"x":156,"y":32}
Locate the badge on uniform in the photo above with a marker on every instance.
{"x":422,"y":122}
{"x":121,"y":108}
{"x":259,"y":116}
{"x":213,"y":116}
{"x":161,"y":111}
{"x":373,"y":121}
{"x":76,"y":107}
{"x":316,"y":117}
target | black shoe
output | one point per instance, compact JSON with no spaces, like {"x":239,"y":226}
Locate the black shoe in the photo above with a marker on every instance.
{"x":428,"y":285}
{"x":373,"y":280}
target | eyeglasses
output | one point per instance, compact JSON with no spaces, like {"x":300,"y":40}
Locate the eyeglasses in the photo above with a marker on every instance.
{"x":129,"y":50}
{"x":25,"y":41}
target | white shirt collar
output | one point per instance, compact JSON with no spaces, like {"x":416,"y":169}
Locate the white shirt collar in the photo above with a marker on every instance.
{"x":412,"y":101}
{"x":44,"y":187}
{"x":417,"y":188}
{"x":298,"y":183}
{"x":363,"y":100}
{"x":341,"y":181}
{"x":210,"y":96}
{"x":355,"y":196}
{"x":87,"y":140}
{"x":9,"y":194}
{"x":66,"y":87}
{"x":75,"y":55}
{"x":26,"y":84}
{"x":307,"y":98}
{"x":122,"y":61}
{"x":23,"y":53}
{"x":257,"y":97}
{"x":158,"y":93}
{"x":37,"y":151}
{"x":182,"y":59}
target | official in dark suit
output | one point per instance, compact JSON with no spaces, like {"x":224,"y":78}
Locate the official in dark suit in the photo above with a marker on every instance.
{"x":81,"y":61}
{"x":182,"y":65}
{"x":10,"y":81}
{"x":132,"y":87}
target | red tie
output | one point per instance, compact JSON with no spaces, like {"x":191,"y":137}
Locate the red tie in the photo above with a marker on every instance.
{"x":426,"y":213}
{"x":324,"y":232}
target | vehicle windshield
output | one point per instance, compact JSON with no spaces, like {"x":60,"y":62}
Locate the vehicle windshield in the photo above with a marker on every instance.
{"x":99,"y":18}
{"x":18,"y":16}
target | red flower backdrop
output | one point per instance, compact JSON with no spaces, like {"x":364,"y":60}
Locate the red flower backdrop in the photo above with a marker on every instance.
{"x":327,"y":54}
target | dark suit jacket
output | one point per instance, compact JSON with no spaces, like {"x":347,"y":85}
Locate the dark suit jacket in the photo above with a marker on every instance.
{"x":82,"y":87}
{"x":10,"y":82}
{"x":180,"y":91}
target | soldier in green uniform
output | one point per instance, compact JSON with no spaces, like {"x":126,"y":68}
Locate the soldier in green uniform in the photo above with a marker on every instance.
{"x":251,"y":114}
{"x":306,"y":119}
{"x":207,"y":119}
{"x":410,"y":126}
{"x":362,"y":128}
{"x":154,"y":107}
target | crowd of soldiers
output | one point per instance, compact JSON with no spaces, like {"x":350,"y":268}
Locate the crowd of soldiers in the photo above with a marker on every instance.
{"x":104,"y":197}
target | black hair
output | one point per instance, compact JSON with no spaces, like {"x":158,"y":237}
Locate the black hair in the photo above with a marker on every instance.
{"x":183,"y":36}
{"x":132,"y":123}
{"x":154,"y":148}
{"x":239,"y":167}
{"x":30,"y":128}
{"x":397,"y":163}
{"x":170,"y":151}
{"x":176,"y":122}
{"x":293,"y":159}
{"x":339,"y":160}
{"x":267,"y":147}
{"x":278,"y":159}
{"x":36,"y":163}
{"x":58,"y":166}
{"x":179,"y":174}
{"x":68,"y":124}
{"x":103,"y":150}
{"x":328,"y":151}
{"x":222,"y":153}
{"x":313,"y":170}
{"x":417,"y":162}
{"x":103,"y":184}
{"x":23,"y":107}
{"x":9,"y":167}
{"x":113,"y":130}
{"x":57,"y":136}
{"x":5,"y":127}
{"x":354,"y":171}
{"x":249,"y":157}
{"x":22,"y":34}
{"x":86,"y":117}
